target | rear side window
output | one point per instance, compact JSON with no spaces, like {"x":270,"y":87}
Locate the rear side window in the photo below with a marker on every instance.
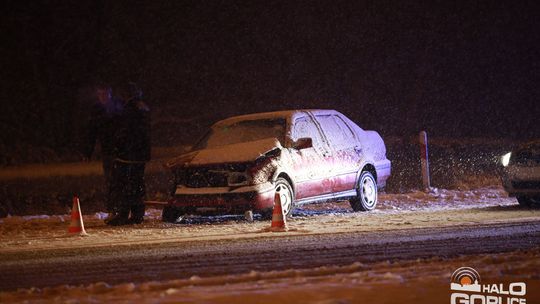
{"x":336,"y":130}
{"x":305,"y":127}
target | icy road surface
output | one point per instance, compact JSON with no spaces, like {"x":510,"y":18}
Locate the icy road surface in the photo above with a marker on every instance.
{"x":36,"y":251}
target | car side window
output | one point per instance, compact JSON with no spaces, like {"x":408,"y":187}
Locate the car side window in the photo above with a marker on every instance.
{"x":338,"y":133}
{"x":348,"y":134}
{"x":305,"y":127}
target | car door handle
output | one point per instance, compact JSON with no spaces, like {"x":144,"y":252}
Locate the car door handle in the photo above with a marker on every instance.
{"x":358,"y":149}
{"x":326,"y":154}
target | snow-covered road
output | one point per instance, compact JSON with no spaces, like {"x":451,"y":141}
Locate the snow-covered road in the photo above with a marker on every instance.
{"x":177,"y":260}
{"x":35,"y":251}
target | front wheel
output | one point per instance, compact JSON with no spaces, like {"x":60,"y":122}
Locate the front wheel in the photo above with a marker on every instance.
{"x":286,"y":195}
{"x":366,"y":198}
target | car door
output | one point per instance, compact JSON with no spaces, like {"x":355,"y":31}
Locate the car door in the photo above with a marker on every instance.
{"x":311,"y":172}
{"x":345,"y":155}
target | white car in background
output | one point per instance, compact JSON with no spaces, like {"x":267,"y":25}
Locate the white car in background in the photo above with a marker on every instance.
{"x":521,"y":173}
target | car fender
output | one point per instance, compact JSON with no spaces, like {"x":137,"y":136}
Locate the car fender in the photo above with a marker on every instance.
{"x":279,"y":172}
{"x":361,"y":168}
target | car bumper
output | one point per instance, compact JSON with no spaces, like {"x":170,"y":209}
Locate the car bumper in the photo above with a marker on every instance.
{"x":224,"y":199}
{"x":383,"y":169}
{"x":521,"y":180}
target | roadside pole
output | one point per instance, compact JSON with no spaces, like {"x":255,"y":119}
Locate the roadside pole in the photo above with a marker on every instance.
{"x":424,"y":160}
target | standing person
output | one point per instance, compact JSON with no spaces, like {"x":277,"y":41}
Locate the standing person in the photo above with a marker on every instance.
{"x":133,"y":151}
{"x":101,"y":127}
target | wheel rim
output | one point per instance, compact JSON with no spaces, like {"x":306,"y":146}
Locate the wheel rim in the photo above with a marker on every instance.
{"x":285,"y":196}
{"x":369,"y":191}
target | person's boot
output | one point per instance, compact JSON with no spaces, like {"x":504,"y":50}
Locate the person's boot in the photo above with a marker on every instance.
{"x":121,"y":218}
{"x":137,"y":214}
{"x":110,"y":216}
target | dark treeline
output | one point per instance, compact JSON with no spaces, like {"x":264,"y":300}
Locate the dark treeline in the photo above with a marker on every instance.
{"x":469,"y":69}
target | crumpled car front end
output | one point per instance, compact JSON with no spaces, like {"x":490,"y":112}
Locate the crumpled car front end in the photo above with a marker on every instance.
{"x":231,"y":179}
{"x":222,"y":188}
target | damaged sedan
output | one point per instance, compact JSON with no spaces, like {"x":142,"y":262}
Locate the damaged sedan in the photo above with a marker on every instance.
{"x":304,"y":156}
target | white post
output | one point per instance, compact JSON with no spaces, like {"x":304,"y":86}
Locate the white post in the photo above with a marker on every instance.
{"x":424,"y":159}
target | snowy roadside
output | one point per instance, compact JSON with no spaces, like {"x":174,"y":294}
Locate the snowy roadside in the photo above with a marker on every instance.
{"x":396,"y":211}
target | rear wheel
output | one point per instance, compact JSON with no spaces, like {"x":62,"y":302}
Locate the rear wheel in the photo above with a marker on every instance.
{"x":366,"y":198}
{"x":286,"y":195}
{"x":171,"y":214}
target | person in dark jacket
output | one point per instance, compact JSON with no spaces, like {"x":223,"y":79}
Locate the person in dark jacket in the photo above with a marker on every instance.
{"x":132,"y":153}
{"x":101,"y":127}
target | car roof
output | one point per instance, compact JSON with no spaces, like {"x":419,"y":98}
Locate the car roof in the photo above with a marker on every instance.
{"x":288,"y":115}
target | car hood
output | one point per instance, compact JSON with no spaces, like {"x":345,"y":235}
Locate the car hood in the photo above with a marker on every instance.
{"x":235,"y":153}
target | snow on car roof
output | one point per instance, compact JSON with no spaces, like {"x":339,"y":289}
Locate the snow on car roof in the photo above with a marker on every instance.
{"x":288,"y":115}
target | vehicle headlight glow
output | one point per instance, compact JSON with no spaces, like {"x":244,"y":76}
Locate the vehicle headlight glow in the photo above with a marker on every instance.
{"x":505,"y":159}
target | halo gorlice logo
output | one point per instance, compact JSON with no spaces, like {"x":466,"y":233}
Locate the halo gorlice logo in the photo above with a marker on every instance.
{"x":466,"y":281}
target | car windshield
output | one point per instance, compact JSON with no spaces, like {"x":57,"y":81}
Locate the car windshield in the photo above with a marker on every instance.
{"x":243,"y":131}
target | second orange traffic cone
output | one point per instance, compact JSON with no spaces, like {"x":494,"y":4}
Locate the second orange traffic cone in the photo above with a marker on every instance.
{"x":76,"y":225}
{"x":278,"y":218}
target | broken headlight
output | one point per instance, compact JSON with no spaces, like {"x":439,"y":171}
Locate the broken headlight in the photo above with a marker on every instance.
{"x":235,"y":179}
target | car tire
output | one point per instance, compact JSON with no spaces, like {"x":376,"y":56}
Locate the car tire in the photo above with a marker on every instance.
{"x":171,"y":214}
{"x":285,"y":191}
{"x":366,"y":189}
{"x":527,"y":201}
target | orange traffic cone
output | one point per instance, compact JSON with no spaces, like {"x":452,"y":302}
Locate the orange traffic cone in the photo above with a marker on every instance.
{"x":76,"y":225}
{"x":278,"y":218}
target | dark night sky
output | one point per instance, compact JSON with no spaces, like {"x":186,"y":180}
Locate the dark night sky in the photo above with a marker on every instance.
{"x":469,"y":69}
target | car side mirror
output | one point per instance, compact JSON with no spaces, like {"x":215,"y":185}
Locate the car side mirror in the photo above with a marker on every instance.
{"x":303,"y":143}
